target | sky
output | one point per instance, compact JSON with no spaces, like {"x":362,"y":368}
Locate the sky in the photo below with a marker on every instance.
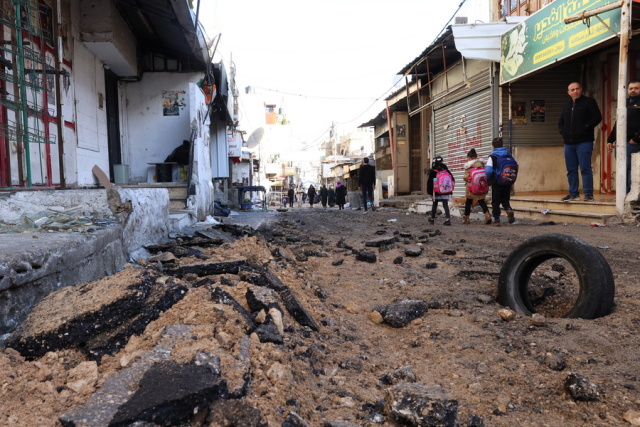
{"x":327,"y":61}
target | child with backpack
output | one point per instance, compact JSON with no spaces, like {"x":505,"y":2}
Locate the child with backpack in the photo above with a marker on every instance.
{"x":440,"y":186}
{"x":502,"y":171}
{"x":477,"y":186}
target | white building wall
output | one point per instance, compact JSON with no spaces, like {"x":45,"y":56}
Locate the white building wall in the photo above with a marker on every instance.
{"x":151,"y":135}
{"x":203,"y":199}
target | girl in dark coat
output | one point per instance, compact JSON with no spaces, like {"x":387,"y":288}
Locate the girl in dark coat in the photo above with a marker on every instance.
{"x":311,"y":192}
{"x":341,"y":195}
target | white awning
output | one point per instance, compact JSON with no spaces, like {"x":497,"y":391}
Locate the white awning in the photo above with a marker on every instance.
{"x":482,"y":41}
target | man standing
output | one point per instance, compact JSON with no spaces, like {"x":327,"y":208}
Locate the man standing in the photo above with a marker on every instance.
{"x":633,"y":126}
{"x":291,"y":194}
{"x":579,"y":118}
{"x":367,"y":177}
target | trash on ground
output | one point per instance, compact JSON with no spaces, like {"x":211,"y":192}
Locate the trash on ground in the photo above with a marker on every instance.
{"x":545,"y":211}
{"x":598,"y":224}
{"x":392,"y":220}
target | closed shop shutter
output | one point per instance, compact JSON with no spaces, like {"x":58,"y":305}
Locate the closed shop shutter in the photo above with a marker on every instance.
{"x":464,"y":122}
{"x":548,"y":88}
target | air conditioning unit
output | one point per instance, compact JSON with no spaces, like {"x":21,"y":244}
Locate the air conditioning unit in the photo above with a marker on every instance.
{"x":461,"y":20}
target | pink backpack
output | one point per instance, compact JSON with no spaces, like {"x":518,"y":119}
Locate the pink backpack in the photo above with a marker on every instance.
{"x":443,"y":183}
{"x":478,"y":183}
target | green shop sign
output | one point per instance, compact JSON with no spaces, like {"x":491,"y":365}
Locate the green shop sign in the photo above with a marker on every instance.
{"x":544,"y":38}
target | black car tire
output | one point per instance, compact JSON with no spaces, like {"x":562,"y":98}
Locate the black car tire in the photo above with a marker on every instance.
{"x":597,"y":288}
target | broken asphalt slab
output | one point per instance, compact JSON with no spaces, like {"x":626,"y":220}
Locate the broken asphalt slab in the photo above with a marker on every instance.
{"x":97,"y":317}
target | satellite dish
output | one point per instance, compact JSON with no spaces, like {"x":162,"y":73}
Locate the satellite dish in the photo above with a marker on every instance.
{"x":255,"y":137}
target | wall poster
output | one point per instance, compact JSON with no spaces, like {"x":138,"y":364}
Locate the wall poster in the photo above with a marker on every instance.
{"x":537,"y":111}
{"x":172,"y":102}
{"x":518,"y":113}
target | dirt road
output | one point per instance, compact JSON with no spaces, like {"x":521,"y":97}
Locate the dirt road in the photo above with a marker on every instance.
{"x":500,"y":372}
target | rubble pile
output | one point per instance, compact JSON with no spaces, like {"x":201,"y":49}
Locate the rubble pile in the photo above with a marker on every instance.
{"x":301,"y":325}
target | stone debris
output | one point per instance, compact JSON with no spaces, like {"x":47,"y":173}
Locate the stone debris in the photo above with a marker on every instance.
{"x":581,"y":388}
{"x":381,"y":241}
{"x":70,"y":221}
{"x":403,"y":374}
{"x":366,"y":256}
{"x":632,"y":417}
{"x":400,"y":312}
{"x":421,"y":405}
{"x":507,"y":314}
{"x":413,"y":251}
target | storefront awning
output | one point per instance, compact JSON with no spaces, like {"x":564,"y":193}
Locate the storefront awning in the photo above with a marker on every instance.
{"x":482,"y":41}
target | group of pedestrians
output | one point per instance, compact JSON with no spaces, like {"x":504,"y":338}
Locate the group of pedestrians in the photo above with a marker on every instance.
{"x":576,"y":125}
{"x":499,"y":172}
{"x":325,"y":196}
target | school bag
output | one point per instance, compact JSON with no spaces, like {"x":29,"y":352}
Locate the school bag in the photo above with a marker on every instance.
{"x":478,"y":183}
{"x":505,"y":169}
{"x":443,"y":182}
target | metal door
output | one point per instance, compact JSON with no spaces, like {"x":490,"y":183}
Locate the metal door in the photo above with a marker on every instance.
{"x":463,"y":122}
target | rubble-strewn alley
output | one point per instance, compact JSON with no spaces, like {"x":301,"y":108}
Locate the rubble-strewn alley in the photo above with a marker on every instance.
{"x":327,"y":318}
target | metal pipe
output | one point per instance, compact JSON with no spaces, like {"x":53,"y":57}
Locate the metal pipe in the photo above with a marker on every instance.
{"x":595,"y":11}
{"x":59,"y":79}
{"x":24,"y":131}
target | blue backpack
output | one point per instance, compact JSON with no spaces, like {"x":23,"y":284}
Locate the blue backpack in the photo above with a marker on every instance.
{"x":505,"y":169}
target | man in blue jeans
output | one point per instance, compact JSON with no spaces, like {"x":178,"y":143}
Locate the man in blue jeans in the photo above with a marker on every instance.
{"x":633,"y":126}
{"x":577,"y":122}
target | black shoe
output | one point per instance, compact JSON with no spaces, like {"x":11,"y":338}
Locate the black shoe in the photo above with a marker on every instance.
{"x":431,"y":221}
{"x":447,"y":222}
{"x":588,"y":198}
{"x":569,"y":198}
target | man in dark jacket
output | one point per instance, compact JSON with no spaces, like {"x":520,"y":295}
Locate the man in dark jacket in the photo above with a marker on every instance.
{"x":579,"y":118}
{"x":367,"y":178}
{"x":633,"y":126}
{"x":291,"y":194}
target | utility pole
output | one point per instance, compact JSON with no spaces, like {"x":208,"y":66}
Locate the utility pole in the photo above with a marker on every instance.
{"x":621,"y":130}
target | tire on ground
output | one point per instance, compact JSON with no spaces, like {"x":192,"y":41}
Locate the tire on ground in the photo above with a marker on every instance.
{"x":597,"y":289}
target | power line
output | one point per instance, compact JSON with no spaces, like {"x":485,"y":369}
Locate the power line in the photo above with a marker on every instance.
{"x":308,"y":96}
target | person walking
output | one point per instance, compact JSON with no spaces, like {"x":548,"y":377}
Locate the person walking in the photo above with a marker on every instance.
{"x":633,"y":127}
{"x":500,"y":191}
{"x":291,"y":194}
{"x":311,"y":193}
{"x":324,"y":196}
{"x":367,"y":180}
{"x":341,"y":195}
{"x":477,"y":186}
{"x":434,"y":189}
{"x":579,"y":118}
{"x":332,"y":196}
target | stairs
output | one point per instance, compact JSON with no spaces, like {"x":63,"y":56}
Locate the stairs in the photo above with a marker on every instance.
{"x":180,"y":216}
{"x":533,"y":206}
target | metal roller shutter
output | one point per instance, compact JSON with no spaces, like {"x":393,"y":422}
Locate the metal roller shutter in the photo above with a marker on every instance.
{"x":464,"y":122}
{"x":549,"y":86}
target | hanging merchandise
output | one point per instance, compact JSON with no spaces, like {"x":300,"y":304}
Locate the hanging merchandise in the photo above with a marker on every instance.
{"x":208,"y":89}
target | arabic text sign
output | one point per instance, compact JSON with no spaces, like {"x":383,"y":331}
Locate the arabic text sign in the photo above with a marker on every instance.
{"x":544,"y":38}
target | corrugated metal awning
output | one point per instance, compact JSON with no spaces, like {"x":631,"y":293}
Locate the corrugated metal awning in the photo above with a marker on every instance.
{"x":166,"y":27}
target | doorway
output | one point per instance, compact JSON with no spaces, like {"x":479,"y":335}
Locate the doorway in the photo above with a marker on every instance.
{"x":113,"y":119}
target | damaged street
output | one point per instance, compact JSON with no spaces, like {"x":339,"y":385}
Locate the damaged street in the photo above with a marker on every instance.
{"x":326,"y":317}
